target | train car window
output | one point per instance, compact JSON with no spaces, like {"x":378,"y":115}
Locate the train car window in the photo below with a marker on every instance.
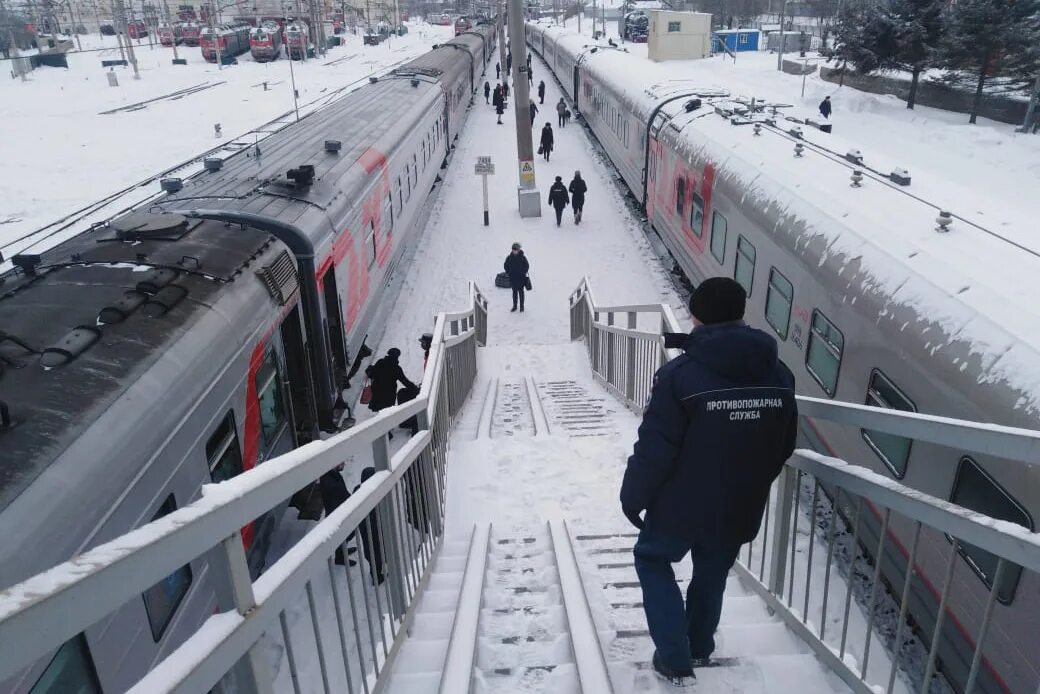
{"x":269,"y":393}
{"x":974,"y":489}
{"x":70,"y":670}
{"x":718,"y":237}
{"x":223,"y":452}
{"x":680,"y":195}
{"x":823,"y":358}
{"x":893,"y":450}
{"x":697,"y":215}
{"x":744,"y":272}
{"x":162,"y":599}
{"x":779,"y":297}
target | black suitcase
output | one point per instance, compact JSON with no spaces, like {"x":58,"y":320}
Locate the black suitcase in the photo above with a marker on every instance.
{"x":404,"y":395}
{"x":502,"y":280}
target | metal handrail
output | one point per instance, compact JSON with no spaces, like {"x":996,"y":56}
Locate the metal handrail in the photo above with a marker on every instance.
{"x":845,"y":499}
{"x":406,"y":493}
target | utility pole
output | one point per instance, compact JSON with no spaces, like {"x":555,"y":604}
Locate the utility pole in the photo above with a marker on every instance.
{"x":1029,"y":124}
{"x":15,"y":53}
{"x":166,"y":11}
{"x":529,"y":198}
{"x":782,"y":39}
{"x":125,"y":35}
{"x":502,"y":41}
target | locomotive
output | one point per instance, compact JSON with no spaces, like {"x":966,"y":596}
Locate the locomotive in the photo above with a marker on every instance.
{"x":265,"y":42}
{"x":224,"y":42}
{"x":859,"y":291}
{"x":202,"y":334}
{"x":190,"y":33}
{"x":296,"y":40}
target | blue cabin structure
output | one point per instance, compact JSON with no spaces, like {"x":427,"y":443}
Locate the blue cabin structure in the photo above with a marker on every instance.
{"x":736,"y":40}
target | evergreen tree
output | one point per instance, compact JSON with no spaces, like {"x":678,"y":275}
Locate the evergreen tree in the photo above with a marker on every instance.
{"x":914,"y":29}
{"x":990,"y":38}
{"x":855,"y":36}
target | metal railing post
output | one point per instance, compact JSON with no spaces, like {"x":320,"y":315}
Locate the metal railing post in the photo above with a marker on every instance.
{"x":630,"y":360}
{"x":785,"y":491}
{"x":426,"y":476}
{"x":389,"y":532}
{"x":252,"y":673}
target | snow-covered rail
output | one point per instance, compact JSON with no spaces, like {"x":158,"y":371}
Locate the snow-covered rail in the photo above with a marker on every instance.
{"x":829,"y":518}
{"x":396,"y":519}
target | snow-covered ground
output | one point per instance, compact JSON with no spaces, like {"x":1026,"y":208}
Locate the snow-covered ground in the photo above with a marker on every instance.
{"x":62,"y":153}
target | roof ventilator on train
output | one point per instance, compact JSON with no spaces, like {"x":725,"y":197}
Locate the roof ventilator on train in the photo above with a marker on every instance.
{"x":172,"y":184}
{"x":333,"y":146}
{"x":140,"y":226}
{"x":76,"y":342}
{"x":302,"y":176}
{"x":213,"y":163}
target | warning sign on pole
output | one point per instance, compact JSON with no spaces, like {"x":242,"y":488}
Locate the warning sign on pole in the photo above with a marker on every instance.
{"x":527,"y":171}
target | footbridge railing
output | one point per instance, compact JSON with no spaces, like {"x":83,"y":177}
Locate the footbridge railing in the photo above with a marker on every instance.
{"x":893,"y":588}
{"x":356,"y":623}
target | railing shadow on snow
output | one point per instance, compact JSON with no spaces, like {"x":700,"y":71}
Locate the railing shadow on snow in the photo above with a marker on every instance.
{"x":397,"y":514}
{"x":854,"y":516}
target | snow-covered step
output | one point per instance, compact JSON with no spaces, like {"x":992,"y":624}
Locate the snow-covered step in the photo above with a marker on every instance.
{"x":512,"y":414}
{"x":571,"y":408}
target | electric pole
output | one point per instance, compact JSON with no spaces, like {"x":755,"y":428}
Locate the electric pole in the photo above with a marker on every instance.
{"x":783,"y":38}
{"x":529,"y":198}
{"x":502,"y":42}
{"x":125,"y":35}
{"x":15,"y":53}
{"x":166,"y":11}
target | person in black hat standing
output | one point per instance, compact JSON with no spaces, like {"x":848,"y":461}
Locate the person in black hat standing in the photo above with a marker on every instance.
{"x":517,"y":267}
{"x":385,"y":375}
{"x":719,"y":426}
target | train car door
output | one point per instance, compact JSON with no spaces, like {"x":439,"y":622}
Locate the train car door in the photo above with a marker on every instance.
{"x":334,"y":328}
{"x":302,"y":414}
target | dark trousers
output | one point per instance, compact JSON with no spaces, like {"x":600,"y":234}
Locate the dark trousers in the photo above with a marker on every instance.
{"x":518,"y":293}
{"x":682,"y":632}
{"x":559,"y":215}
{"x":563,"y":122}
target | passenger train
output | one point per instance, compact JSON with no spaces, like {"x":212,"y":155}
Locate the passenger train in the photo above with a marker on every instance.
{"x":171,"y":347}
{"x":857,"y":278}
{"x":226,"y":41}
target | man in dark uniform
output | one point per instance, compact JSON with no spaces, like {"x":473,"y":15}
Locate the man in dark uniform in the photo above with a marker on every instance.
{"x":719,"y":426}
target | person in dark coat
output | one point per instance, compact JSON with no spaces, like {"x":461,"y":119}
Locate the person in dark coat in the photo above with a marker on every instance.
{"x":720,"y":424}
{"x":509,"y":61}
{"x":333,"y":494}
{"x":517,"y":267}
{"x":370,"y":538}
{"x":528,"y":62}
{"x":577,"y":189}
{"x":505,"y":89}
{"x":545,"y":145}
{"x":534,"y":111}
{"x":541,"y":92}
{"x":825,"y":107}
{"x":385,"y":375}
{"x":561,"y":111}
{"x":487,"y":92}
{"x":500,"y":108}
{"x":558,"y":198}
{"x":498,"y":71}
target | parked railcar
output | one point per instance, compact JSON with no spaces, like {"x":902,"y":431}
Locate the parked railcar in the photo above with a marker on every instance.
{"x":190,"y":33}
{"x":860,"y":314}
{"x":170,"y":34}
{"x":163,"y":351}
{"x":297,"y":40}
{"x":136,"y":29}
{"x":463,"y":24}
{"x":224,"y":42}
{"x":265,"y":42}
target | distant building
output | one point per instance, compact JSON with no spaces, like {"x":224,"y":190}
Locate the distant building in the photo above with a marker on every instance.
{"x":737,"y":40}
{"x":678,"y":35}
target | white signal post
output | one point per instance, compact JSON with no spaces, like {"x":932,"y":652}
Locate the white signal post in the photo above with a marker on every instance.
{"x":484,"y":168}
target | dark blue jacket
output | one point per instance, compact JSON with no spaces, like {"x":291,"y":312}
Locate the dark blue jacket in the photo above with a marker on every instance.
{"x":720,"y":423}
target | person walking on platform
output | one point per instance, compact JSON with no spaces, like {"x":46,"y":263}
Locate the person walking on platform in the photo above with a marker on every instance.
{"x":333,"y":494}
{"x":370,"y":538}
{"x":534,"y":112}
{"x":720,"y":424}
{"x":545,"y":145}
{"x":561,"y":110}
{"x":487,"y":92}
{"x":509,"y":62}
{"x":505,"y":89}
{"x":498,"y":71}
{"x":541,"y":92}
{"x":577,"y":190}
{"x":825,"y":107}
{"x":558,"y":198}
{"x":499,"y":101}
{"x":528,"y":62}
{"x":517,"y":267}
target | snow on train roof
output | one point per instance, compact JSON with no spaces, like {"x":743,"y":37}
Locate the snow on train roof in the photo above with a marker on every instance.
{"x":972,"y":281}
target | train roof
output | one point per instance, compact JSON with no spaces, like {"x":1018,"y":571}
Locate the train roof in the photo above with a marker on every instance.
{"x":92,"y":317}
{"x":259,"y":185}
{"x":969,"y":284}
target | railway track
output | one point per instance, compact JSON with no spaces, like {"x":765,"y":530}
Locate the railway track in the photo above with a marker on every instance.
{"x":172,"y":96}
{"x":125,"y":199}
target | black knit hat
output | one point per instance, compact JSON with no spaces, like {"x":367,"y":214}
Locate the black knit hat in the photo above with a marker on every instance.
{"x":718,"y":300}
